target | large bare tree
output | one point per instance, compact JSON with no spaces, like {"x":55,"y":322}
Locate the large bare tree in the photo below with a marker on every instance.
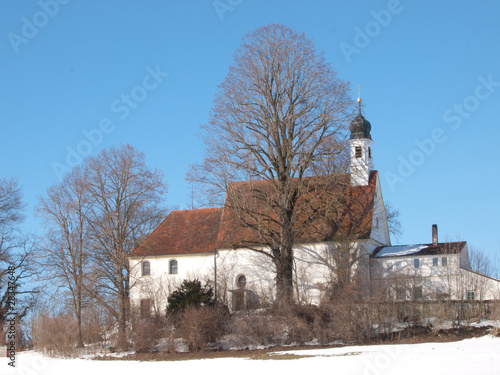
{"x":124,"y":205}
{"x":279,"y":117}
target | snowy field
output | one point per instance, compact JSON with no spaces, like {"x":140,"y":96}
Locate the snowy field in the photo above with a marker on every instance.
{"x":471,"y":356}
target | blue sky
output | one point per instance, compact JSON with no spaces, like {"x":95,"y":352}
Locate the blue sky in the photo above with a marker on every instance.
{"x":77,"y":76}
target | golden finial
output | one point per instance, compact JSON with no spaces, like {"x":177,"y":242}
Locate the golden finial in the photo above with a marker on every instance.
{"x":359,"y":99}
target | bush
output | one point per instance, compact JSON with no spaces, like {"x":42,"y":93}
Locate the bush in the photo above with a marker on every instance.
{"x":190,"y":294}
{"x":254,"y":328}
{"x":147,"y":333}
{"x":55,"y":335}
{"x":199,"y":326}
{"x":295,"y":324}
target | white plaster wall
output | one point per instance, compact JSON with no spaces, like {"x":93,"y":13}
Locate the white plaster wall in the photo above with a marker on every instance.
{"x":361,"y":167}
{"x":405,"y":266}
{"x":485,"y":288}
{"x":160,"y":283}
{"x":380,"y":230}
{"x":313,"y":271}
{"x":315,"y":266}
{"x":258,"y":270}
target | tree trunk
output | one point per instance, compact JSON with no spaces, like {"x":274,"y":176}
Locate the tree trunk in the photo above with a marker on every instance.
{"x":122,"y":317}
{"x":284,"y":277}
{"x":79,"y":323}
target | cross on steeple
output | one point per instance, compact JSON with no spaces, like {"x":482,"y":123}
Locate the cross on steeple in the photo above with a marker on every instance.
{"x":361,"y":150}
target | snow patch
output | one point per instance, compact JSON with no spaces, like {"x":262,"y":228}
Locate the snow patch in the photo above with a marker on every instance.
{"x":397,"y":251}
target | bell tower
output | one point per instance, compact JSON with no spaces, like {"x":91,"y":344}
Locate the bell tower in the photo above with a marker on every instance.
{"x":361,"y":161}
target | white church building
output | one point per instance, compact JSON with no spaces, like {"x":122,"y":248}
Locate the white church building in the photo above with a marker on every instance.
{"x":193,"y":244}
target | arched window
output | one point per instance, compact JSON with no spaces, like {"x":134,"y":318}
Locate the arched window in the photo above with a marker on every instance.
{"x":241,"y":281}
{"x":146,"y":268}
{"x":172,"y":267}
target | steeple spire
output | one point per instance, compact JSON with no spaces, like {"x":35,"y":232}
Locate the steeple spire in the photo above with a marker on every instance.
{"x":361,"y":151}
{"x":360,"y":127}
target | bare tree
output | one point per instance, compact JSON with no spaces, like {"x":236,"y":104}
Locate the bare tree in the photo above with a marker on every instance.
{"x":278,"y":115}
{"x":66,"y":250}
{"x":125,"y":199}
{"x":344,"y":216}
{"x":392,"y":215}
{"x":11,"y":215}
{"x":16,"y":251}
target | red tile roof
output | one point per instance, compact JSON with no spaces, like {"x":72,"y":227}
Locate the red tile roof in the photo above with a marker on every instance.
{"x":183,"y":232}
{"x":203,"y":230}
{"x":349,"y":209}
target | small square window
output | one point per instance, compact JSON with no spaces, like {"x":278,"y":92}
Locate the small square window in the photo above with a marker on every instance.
{"x":416,"y":263}
{"x":146,"y":268}
{"x":358,"y":152}
{"x":435,"y":262}
{"x":471,"y":295}
{"x":173,"y":267}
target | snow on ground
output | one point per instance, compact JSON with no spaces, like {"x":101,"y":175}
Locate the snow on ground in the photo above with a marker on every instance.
{"x":472,"y":356}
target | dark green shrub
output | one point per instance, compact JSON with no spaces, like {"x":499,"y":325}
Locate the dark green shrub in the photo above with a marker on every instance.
{"x":191,"y":293}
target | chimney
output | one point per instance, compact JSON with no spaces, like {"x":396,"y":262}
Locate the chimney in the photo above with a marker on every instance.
{"x":434,"y":234}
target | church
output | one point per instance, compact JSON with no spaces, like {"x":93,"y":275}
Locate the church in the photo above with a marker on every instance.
{"x":213,"y":246}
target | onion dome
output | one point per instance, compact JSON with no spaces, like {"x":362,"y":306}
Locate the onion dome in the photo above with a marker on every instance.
{"x":360,"y":127}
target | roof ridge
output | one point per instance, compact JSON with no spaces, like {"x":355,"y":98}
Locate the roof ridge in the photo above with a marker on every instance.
{"x":196,"y":209}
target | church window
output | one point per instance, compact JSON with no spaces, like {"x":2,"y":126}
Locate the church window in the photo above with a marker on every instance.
{"x":444,"y":261}
{"x":435,"y":262}
{"x":370,"y":152}
{"x":241,"y":281}
{"x":416,"y":262}
{"x":172,"y":267}
{"x":357,"y":151}
{"x":146,"y":268}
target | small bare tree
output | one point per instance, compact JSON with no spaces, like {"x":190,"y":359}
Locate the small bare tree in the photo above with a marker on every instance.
{"x":66,"y":250}
{"x":278,"y":115}
{"x":16,"y":250}
{"x":11,"y":215}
